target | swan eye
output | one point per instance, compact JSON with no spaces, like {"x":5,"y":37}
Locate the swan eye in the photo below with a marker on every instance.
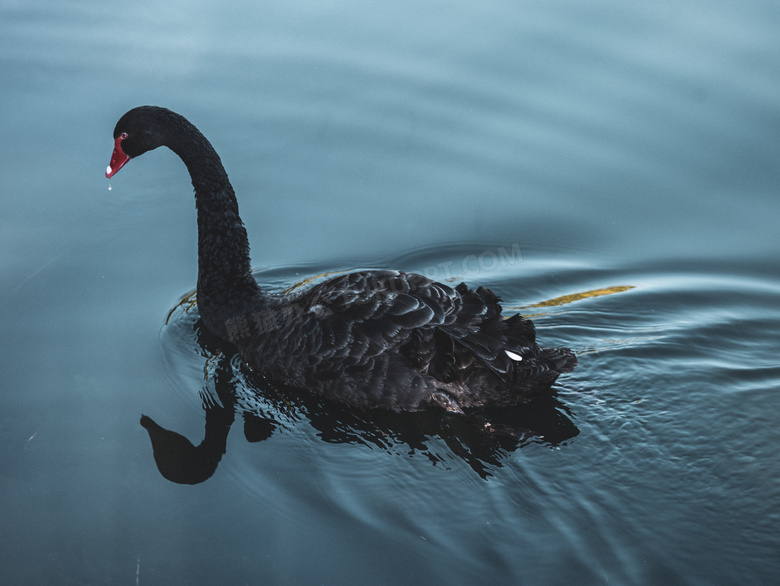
{"x":123,"y":135}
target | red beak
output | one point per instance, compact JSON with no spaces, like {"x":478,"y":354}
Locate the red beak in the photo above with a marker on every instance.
{"x":118,"y":159}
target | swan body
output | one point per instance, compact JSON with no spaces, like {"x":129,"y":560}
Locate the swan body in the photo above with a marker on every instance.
{"x":369,"y":339}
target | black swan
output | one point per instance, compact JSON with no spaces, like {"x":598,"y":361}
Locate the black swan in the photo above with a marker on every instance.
{"x":369,"y":339}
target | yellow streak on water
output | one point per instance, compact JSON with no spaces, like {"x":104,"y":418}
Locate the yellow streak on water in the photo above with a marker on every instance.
{"x":563,"y":300}
{"x":188,"y":301}
{"x":311,"y":280}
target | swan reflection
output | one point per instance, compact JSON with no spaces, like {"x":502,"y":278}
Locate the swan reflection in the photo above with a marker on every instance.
{"x":482,"y":438}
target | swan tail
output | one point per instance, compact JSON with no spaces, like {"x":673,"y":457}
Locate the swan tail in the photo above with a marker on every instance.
{"x":482,"y":339}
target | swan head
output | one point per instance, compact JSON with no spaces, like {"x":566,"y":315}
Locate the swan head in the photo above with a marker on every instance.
{"x":138,"y":131}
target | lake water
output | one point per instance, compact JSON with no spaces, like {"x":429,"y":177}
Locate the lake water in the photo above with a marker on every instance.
{"x":609,"y":169}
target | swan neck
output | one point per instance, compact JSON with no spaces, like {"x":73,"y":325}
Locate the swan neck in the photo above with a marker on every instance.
{"x":226,"y":287}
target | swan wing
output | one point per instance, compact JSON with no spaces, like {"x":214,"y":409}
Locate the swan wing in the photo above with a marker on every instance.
{"x":352,"y":320}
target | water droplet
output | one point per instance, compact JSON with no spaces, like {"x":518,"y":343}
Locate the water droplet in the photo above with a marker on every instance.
{"x":109,"y":186}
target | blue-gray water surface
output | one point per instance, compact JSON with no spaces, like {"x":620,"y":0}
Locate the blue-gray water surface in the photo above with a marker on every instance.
{"x":609,"y":169}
